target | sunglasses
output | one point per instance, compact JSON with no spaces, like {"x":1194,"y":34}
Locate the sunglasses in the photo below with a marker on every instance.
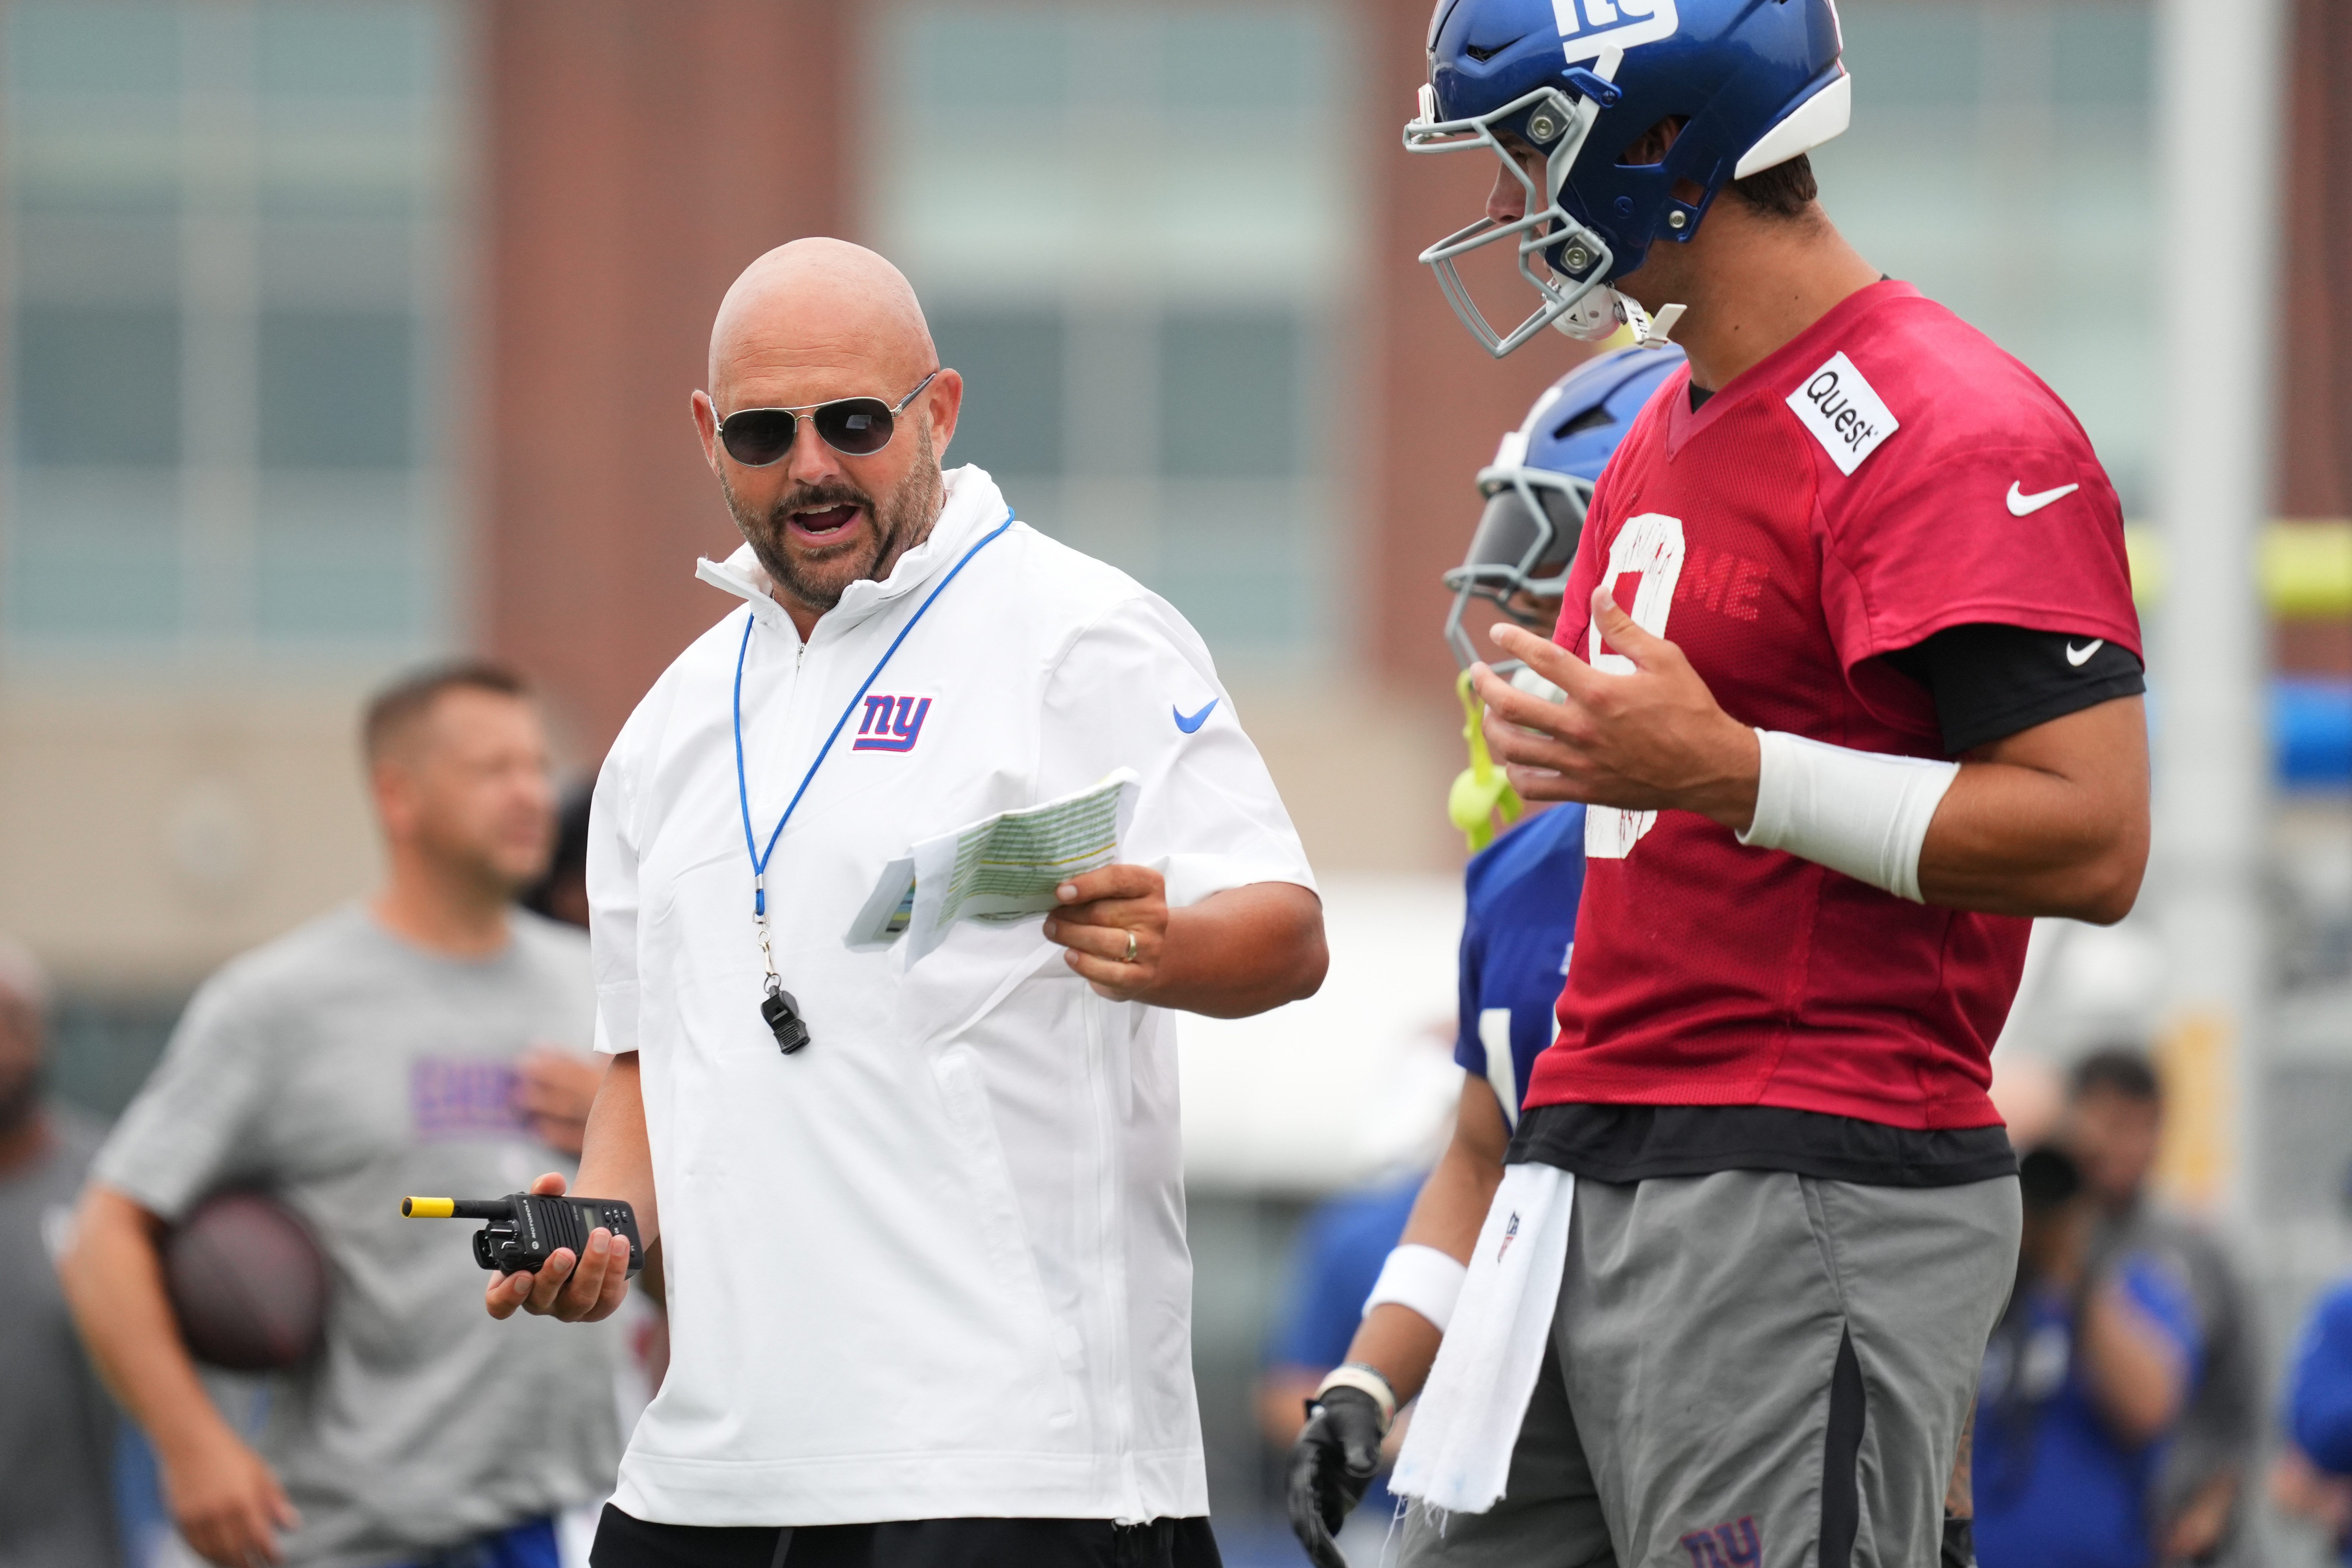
{"x":854,"y":427}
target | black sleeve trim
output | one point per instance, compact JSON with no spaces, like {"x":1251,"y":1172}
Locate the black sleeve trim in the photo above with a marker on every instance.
{"x":1991,"y":681}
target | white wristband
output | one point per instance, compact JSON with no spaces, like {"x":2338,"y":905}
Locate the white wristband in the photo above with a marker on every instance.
{"x":1419,"y":1278}
{"x":1862,"y":813}
{"x":1368,"y":1380}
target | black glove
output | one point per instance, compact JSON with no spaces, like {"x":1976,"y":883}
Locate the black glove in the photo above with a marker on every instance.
{"x":1330,"y":1465}
{"x":1959,"y":1543}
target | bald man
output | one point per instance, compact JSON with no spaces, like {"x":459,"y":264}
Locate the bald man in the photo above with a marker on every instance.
{"x":921,"y":1216}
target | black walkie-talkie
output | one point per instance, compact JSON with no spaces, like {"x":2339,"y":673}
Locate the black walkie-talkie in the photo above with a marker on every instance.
{"x":782,"y":1012}
{"x":527,"y":1229}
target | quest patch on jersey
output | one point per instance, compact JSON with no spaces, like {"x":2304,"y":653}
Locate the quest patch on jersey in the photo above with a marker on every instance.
{"x":1589,"y":28}
{"x":1845,"y":415}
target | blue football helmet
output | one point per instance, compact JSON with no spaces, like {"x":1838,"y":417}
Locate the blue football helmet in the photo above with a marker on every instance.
{"x":1539,"y":485}
{"x":1757,"y":82}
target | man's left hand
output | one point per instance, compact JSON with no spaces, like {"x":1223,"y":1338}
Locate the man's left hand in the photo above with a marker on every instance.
{"x":1647,"y":740}
{"x":1114,"y":924}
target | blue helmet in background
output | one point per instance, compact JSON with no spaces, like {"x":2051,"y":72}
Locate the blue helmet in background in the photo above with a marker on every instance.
{"x":1755,"y":82}
{"x":1539,"y":486}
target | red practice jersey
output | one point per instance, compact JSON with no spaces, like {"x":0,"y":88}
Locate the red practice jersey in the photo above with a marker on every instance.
{"x":1887,"y":474}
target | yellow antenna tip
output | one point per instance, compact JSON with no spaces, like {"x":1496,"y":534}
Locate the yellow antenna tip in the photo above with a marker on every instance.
{"x":428,"y":1208}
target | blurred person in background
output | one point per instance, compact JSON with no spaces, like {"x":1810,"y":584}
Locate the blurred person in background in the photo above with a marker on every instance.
{"x":2114,"y":1126}
{"x":366,"y":1055}
{"x":56,"y":1426}
{"x":2086,"y":1379}
{"x":2312,"y":1477}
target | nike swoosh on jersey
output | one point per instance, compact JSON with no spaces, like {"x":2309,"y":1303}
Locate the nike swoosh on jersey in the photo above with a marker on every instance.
{"x":2079,"y":657}
{"x":2023,"y":505}
{"x":1190,"y":725}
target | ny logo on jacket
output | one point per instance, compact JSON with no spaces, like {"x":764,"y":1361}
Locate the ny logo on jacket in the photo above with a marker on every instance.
{"x":891,"y":723}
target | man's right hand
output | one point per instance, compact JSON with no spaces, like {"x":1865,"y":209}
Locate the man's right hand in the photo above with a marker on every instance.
{"x":226,"y":1502}
{"x":573,"y":1288}
{"x":1331,"y":1464}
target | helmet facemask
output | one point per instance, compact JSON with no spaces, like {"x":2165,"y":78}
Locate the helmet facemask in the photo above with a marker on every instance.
{"x":1524,"y":544}
{"x":1559,"y":256}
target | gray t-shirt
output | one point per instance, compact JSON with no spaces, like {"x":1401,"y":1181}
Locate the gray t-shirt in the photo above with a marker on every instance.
{"x":340,"y":1068}
{"x":56,"y":1426}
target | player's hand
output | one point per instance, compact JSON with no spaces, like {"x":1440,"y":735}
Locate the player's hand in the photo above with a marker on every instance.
{"x":1653,"y":739}
{"x":1333,"y":1461}
{"x":568,"y":1286}
{"x":226,"y":1502}
{"x":1104,"y":917}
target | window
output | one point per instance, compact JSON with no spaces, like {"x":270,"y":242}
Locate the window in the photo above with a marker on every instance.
{"x":2002,"y":159}
{"x":228,"y":279}
{"x":1131,"y":229}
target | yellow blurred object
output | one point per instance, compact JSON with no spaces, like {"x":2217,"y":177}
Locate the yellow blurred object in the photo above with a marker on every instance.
{"x":428,"y":1208}
{"x":2145,"y":551}
{"x":2193,"y":1058}
{"x":2305,"y":569}
{"x":1482,"y":790}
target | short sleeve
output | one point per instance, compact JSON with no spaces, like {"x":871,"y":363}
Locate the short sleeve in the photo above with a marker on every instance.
{"x":1469,"y":1049}
{"x":612,"y":881}
{"x":1138,"y":690}
{"x":1942,"y":542}
{"x":194,"y":1126}
{"x":2319,"y":1389}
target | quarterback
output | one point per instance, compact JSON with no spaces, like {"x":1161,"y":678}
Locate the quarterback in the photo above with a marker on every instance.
{"x":1852,"y":689}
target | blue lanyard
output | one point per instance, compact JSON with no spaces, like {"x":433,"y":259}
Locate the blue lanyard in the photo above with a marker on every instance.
{"x":742,"y":791}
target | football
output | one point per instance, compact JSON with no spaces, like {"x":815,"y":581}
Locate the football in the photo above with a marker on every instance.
{"x":248,"y":1284}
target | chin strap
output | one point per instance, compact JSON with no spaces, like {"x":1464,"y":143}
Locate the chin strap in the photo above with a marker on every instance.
{"x":1655,"y":331}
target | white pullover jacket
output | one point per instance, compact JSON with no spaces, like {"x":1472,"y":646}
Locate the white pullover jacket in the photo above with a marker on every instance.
{"x":934,"y":1264}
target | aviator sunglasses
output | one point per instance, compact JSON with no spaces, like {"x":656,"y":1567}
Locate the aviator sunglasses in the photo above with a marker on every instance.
{"x":854,"y":427}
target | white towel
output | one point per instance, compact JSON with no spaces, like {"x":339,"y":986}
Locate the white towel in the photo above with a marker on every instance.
{"x":1457,"y":1452}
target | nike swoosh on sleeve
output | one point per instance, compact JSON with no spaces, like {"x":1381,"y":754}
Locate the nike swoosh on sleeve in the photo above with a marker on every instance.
{"x":2023,"y":505}
{"x":1193,"y":723}
{"x":2079,"y":657}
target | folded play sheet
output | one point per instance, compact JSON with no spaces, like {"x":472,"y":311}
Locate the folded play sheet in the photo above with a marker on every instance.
{"x":1001,"y":867}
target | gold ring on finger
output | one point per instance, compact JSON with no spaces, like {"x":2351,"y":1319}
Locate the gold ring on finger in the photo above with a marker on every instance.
{"x":1130,"y":949}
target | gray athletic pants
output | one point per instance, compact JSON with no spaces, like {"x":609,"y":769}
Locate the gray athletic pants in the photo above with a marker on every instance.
{"x":1751,"y":1370}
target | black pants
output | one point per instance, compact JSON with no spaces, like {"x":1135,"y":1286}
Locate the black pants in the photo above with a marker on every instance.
{"x":623,"y":1542}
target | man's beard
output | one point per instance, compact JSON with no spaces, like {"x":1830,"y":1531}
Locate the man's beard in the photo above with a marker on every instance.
{"x":896,"y":525}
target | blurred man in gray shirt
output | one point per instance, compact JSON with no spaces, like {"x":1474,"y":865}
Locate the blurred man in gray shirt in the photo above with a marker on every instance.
{"x":368,"y":1055}
{"x":2114,"y":1122}
{"x":57,"y":1427}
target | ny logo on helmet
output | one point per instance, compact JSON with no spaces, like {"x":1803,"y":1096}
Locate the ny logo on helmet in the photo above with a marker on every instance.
{"x":1591,"y":28}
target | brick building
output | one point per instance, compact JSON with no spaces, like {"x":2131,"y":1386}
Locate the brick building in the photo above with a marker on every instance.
{"x":341,"y":335}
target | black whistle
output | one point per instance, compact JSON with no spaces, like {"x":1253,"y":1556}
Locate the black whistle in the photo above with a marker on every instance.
{"x":782,"y":1014}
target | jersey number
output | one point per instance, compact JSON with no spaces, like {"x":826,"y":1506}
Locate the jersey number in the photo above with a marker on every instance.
{"x":1650,"y":545}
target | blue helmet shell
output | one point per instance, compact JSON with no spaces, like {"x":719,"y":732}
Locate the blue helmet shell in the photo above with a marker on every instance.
{"x":1734,"y":70}
{"x":1539,"y":486}
{"x":1577,"y":422}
